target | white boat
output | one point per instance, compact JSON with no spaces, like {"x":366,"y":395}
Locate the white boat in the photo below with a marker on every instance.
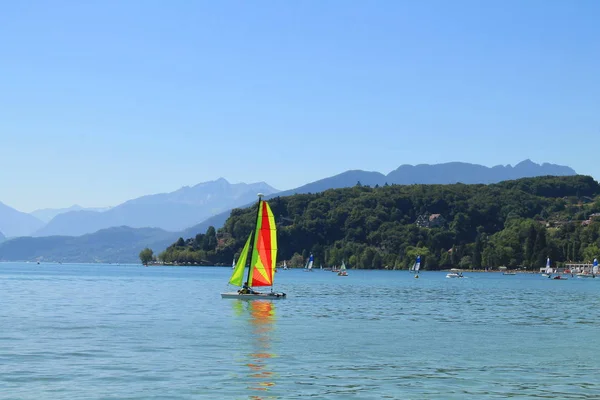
{"x":586,"y":274}
{"x":284,"y":265}
{"x":309,"y":264}
{"x":255,"y":296}
{"x":262,"y":246}
{"x":509,"y":273}
{"x":233,"y":265}
{"x":342,"y":271}
{"x":454,"y":273}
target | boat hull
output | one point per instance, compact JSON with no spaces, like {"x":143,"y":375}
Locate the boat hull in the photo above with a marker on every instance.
{"x":256,"y":296}
{"x":585,"y":276}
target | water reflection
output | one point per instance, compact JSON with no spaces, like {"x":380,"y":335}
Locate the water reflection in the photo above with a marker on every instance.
{"x":262,"y":323}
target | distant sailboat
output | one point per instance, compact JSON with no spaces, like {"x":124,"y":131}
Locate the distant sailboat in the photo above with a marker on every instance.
{"x":284,"y":265}
{"x":416,"y":266}
{"x":548,"y":271}
{"x":309,"y":264}
{"x":342,"y":271}
{"x":233,"y":265}
{"x":595,"y":267}
{"x":261,"y":246}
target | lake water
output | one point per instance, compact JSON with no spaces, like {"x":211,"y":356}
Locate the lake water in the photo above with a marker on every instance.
{"x":129,"y":332}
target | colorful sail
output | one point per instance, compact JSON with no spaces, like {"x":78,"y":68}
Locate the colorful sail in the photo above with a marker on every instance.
{"x":237,"y":277}
{"x":264,"y":254}
{"x":595,"y":268}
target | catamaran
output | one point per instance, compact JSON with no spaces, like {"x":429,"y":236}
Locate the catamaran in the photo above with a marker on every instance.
{"x":342,"y":271}
{"x":309,"y":264}
{"x":548,"y":272}
{"x":416,"y":266}
{"x":262,"y":247}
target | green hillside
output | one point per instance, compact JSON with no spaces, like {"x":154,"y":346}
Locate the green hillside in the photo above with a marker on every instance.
{"x":512,"y":223}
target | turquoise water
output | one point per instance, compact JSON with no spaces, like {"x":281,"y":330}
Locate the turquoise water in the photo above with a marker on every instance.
{"x":129,"y":332}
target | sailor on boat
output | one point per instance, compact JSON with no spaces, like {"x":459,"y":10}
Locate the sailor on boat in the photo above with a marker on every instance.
{"x":246,"y":289}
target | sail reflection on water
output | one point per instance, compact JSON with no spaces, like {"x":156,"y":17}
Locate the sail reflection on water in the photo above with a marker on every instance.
{"x":262,"y":321}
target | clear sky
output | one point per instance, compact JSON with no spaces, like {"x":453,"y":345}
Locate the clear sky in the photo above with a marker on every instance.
{"x":103,"y":101}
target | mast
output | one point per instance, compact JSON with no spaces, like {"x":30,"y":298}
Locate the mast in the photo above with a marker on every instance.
{"x":253,"y":240}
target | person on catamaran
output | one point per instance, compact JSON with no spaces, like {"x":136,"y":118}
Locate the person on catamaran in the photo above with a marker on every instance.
{"x":246,"y":289}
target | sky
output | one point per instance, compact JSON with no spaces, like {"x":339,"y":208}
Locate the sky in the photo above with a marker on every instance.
{"x":104,"y":101}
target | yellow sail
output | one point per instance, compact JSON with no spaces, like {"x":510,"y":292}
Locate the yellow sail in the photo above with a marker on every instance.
{"x":237,"y":277}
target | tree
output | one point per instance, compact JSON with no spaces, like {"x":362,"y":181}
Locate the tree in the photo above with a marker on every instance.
{"x":297,"y":261}
{"x":146,"y":256}
{"x":209,"y":241}
{"x":465,"y":262}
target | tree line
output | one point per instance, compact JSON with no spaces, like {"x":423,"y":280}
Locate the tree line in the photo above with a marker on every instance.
{"x":513,"y":223}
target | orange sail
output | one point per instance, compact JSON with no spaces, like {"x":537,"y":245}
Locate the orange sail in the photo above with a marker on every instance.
{"x":264,"y":253}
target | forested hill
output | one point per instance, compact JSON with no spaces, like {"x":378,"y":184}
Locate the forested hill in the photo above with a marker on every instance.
{"x":512,"y":223}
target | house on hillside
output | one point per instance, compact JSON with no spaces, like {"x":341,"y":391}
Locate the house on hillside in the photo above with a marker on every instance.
{"x":436,"y":220}
{"x":430,"y":220}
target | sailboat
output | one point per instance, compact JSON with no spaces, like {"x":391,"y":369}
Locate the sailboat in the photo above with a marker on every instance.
{"x":416,"y":267}
{"x":233,"y":265}
{"x":261,"y":245}
{"x":284,"y":265}
{"x":309,"y":264}
{"x":342,"y":271}
{"x":548,"y":271}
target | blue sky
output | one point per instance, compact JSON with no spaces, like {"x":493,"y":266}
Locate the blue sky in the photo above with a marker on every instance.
{"x":103,"y":101}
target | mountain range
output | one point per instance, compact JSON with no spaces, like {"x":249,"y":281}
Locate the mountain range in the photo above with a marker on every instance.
{"x":190,"y":210}
{"x":169,"y":211}
{"x":118,"y":244}
{"x":17,"y":223}
{"x":447,"y":173}
{"x":46,"y":214}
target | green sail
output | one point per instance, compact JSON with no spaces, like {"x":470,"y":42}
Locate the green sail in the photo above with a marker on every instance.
{"x":237,"y":277}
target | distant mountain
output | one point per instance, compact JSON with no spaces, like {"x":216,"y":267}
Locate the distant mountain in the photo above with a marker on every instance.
{"x":46,"y":214}
{"x":455,"y":172}
{"x":2,"y":237}
{"x":447,"y":173}
{"x":169,"y":211}
{"x":17,"y":223}
{"x":120,"y":244}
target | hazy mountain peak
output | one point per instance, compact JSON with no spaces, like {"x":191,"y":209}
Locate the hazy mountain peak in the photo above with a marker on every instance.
{"x":171,"y":211}
{"x":47,"y":214}
{"x":17,"y":223}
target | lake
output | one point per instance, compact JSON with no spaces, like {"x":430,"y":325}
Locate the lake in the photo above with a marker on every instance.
{"x":128,"y":332}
